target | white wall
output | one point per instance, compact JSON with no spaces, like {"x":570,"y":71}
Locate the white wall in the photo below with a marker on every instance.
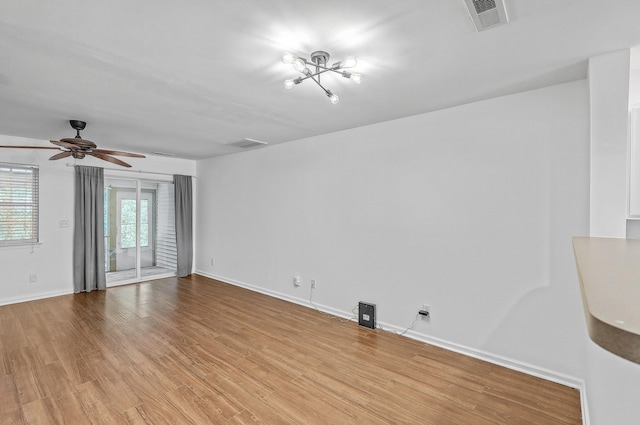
{"x":469,"y":209}
{"x":634,"y":138}
{"x":609,"y":100}
{"x":51,"y":260}
{"x":612,"y":383}
{"x":634,"y":76}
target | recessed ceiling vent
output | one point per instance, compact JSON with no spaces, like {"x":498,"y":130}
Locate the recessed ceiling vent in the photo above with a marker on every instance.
{"x":487,"y":13}
{"x":247,"y":143}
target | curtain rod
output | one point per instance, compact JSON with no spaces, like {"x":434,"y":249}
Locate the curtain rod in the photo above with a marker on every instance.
{"x":134,"y":171}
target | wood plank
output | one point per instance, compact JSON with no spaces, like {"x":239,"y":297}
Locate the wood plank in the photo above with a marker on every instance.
{"x":10,"y":412}
{"x":183,"y":351}
{"x":43,"y":411}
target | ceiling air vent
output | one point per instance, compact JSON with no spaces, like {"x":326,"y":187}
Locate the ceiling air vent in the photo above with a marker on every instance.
{"x":487,"y":13}
{"x":247,"y":143}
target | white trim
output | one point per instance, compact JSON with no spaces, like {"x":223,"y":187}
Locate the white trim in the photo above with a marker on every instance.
{"x":34,"y":297}
{"x":496,"y":359}
{"x":141,"y":280}
{"x":279,"y":295}
{"x":529,"y":369}
{"x":630,"y":154}
{"x":140,"y":172}
{"x":21,"y":245}
{"x":584,"y":404}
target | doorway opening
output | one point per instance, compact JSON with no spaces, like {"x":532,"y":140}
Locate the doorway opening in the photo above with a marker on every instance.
{"x":139,"y":230}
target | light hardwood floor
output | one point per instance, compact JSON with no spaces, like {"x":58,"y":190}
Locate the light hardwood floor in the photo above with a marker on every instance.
{"x":198,"y":351}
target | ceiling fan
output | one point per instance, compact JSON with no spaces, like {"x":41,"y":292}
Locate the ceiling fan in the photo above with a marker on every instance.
{"x":78,"y":148}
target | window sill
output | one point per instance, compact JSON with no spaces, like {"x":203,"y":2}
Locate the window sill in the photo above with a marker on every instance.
{"x":18,"y":246}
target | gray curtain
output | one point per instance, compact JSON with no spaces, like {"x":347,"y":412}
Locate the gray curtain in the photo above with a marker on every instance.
{"x":184,"y":223}
{"x":88,"y":234}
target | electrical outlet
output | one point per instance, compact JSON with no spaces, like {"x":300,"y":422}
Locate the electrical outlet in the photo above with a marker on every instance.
{"x":425,"y":313}
{"x":33,"y":278}
{"x":313,"y":284}
{"x":213,"y":262}
{"x":296,"y":281}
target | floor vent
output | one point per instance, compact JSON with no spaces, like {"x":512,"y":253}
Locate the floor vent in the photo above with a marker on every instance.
{"x":247,"y":143}
{"x":487,"y":13}
{"x":367,"y":315}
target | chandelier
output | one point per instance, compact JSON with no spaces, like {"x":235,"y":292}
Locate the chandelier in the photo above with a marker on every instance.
{"x":319,"y":61}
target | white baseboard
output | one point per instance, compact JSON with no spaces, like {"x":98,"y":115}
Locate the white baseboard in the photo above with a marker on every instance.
{"x":16,"y":300}
{"x":585,"y":405}
{"x":508,"y":363}
{"x":279,"y":295}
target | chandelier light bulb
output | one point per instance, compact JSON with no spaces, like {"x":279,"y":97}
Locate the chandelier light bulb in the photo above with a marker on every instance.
{"x":299,"y":65}
{"x":288,"y":84}
{"x":333,"y":98}
{"x":288,"y":58}
{"x":356,"y":77}
{"x":349,"y":62}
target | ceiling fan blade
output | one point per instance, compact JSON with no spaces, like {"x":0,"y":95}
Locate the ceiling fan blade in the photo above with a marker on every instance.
{"x":28,"y":147}
{"x":108,"y":158}
{"x":63,"y":144}
{"x":119,"y":153}
{"x":60,"y":155}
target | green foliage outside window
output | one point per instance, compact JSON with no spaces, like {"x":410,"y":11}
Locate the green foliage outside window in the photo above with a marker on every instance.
{"x":128,"y":223}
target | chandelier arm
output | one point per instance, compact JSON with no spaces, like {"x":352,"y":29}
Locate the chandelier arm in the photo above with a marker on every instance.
{"x":311,"y":75}
{"x":320,"y":85}
{"x":341,"y":72}
{"x":318,"y":72}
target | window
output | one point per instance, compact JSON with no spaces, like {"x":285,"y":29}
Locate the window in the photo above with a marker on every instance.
{"x":128,"y":223}
{"x":18,"y":204}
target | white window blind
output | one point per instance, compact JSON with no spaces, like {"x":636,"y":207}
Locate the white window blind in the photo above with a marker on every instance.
{"x":18,"y":204}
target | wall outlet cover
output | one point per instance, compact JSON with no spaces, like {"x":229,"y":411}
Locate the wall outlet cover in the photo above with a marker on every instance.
{"x":367,"y":315}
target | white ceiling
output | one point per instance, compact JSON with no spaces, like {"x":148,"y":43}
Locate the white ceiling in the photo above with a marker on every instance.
{"x":188,"y":77}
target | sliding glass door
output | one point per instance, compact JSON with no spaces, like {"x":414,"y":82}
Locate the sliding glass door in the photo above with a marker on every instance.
{"x":139,"y":230}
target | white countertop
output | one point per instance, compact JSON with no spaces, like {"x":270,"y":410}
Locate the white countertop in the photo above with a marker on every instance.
{"x":609,"y":272}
